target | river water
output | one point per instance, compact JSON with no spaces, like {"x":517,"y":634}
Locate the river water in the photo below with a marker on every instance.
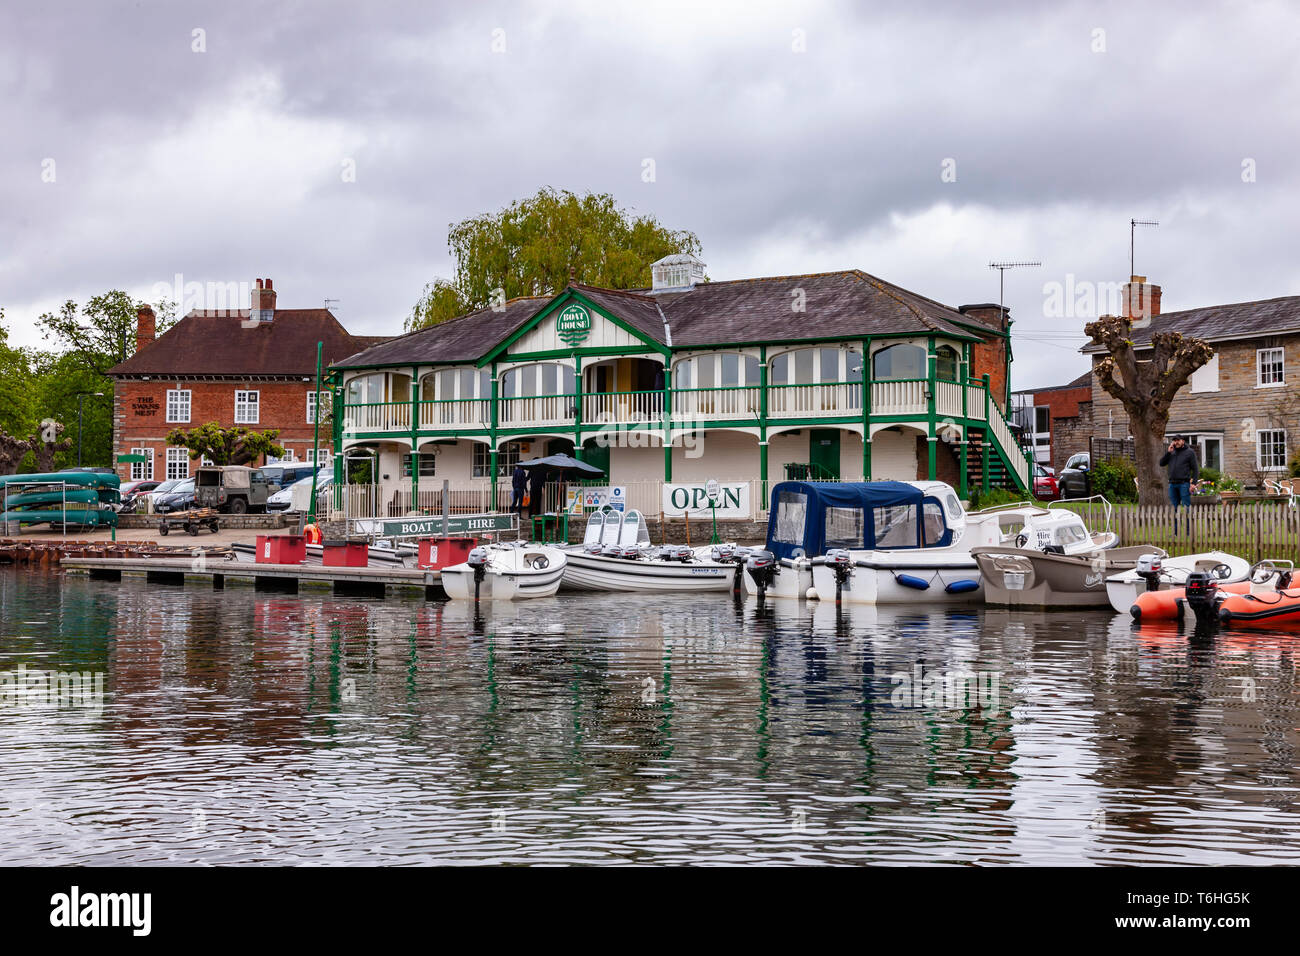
{"x":241,"y":726}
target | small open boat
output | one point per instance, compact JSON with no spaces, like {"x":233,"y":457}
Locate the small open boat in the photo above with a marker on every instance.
{"x":1164,"y":573}
{"x":506,"y":572}
{"x":1032,"y":578}
{"x":616,"y":555}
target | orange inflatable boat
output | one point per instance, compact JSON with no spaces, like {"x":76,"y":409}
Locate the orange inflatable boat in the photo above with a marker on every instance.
{"x":1171,"y":604}
{"x":1270,"y":609}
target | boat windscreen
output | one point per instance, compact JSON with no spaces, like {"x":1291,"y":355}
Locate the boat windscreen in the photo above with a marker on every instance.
{"x":613,"y":525}
{"x":634,"y":533}
{"x":595,"y":525}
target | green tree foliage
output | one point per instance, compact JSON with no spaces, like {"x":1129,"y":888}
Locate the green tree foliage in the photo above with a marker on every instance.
{"x":102,"y":332}
{"x":58,"y":378}
{"x":17,"y":407}
{"x":529,"y":247}
{"x":226,"y":446}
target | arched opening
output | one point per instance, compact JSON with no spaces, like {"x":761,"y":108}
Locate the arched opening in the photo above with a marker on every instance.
{"x":899,"y":362}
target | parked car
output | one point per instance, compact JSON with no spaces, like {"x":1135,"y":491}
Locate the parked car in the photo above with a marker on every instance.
{"x":282,"y":500}
{"x":1045,"y":484}
{"x":1073,"y":480}
{"x":180,"y":498}
{"x":285,"y":474}
{"x":134,"y":493}
{"x":233,"y":488}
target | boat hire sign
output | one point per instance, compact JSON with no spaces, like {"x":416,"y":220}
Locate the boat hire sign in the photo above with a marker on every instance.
{"x":573,"y":324}
{"x":693,"y":499}
{"x":424,"y":527}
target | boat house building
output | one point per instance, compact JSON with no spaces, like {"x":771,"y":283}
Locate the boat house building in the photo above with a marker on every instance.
{"x":832,"y":376}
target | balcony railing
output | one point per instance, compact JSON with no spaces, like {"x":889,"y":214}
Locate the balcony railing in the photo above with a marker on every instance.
{"x":377,"y":417}
{"x":537,"y":410}
{"x":799,"y":401}
{"x":899,"y":397}
{"x":623,"y":408}
{"x":894,"y":397}
{"x":715,"y":404}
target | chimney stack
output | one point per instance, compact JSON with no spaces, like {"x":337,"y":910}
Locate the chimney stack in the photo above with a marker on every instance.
{"x":145,"y":326}
{"x":263,"y":306}
{"x":1141,"y":301}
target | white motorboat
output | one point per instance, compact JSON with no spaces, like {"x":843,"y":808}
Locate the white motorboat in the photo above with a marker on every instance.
{"x":616,"y":555}
{"x":917,"y":540}
{"x":506,"y":572}
{"x":1123,"y":588}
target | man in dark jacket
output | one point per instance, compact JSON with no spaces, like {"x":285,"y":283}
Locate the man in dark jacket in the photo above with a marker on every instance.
{"x":518,"y":485}
{"x":1184,"y":465}
{"x":536,"y":491}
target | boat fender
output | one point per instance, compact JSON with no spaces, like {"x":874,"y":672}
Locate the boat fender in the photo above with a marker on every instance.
{"x":1136,"y":611}
{"x":961,"y":587}
{"x":912,"y":581}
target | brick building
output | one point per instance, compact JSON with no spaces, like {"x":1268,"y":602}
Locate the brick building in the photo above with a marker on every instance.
{"x":1057,"y":420}
{"x":253,"y":367}
{"x":1241,"y":412}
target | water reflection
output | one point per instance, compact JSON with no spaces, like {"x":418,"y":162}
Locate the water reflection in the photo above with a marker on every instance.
{"x":243,"y":726}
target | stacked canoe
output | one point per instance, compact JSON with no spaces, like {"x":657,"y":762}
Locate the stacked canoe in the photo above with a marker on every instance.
{"x":85,"y":499}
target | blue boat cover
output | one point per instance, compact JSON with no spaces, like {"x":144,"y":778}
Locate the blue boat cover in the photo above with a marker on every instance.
{"x":797,"y":519}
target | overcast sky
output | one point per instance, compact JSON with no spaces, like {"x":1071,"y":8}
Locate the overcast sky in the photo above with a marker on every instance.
{"x":915,"y":141}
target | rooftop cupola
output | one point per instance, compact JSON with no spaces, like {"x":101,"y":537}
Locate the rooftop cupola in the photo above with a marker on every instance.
{"x":676,"y":273}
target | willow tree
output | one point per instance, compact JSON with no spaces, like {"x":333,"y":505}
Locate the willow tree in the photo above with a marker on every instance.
{"x":533,"y":246}
{"x":1145,"y":384}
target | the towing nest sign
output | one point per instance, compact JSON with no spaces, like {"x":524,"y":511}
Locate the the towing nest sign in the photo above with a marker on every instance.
{"x":693,"y":499}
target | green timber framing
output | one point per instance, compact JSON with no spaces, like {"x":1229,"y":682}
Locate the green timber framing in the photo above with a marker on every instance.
{"x":936,"y":426}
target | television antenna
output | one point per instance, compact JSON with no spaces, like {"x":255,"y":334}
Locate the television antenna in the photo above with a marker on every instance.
{"x":328,"y":301}
{"x":1002,"y":268}
{"x":1132,"y":228}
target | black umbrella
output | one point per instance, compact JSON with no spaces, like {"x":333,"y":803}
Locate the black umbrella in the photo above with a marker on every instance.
{"x":566,"y":465}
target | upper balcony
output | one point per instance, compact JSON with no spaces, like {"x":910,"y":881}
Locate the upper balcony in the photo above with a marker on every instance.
{"x":843,"y":400}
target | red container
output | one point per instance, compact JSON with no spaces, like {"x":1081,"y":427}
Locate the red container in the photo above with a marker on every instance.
{"x":345,"y":554}
{"x":440,"y":552}
{"x":281,"y":549}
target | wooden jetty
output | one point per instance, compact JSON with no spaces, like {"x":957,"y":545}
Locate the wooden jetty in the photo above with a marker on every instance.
{"x":278,"y":577}
{"x":36,"y":551}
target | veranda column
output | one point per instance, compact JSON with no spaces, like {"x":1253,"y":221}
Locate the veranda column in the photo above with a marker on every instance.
{"x":492,"y":434}
{"x":932,"y":437}
{"x":866,"y":409}
{"x":415,"y":442}
{"x":668,"y":422}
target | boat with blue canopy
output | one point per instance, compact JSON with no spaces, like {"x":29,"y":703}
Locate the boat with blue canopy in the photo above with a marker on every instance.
{"x":888,"y":542}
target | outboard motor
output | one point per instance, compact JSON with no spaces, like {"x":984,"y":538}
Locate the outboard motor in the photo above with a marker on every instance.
{"x":841,"y":564}
{"x":595,"y":547}
{"x":630,"y":552}
{"x":1202,"y":596}
{"x":762,"y":568}
{"x":675,"y":552}
{"x":611,"y":551}
{"x":478,"y":560}
{"x":1148,"y":568}
{"x":722,"y":553}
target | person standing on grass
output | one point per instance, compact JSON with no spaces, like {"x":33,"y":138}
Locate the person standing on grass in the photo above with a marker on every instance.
{"x":1184,"y":466}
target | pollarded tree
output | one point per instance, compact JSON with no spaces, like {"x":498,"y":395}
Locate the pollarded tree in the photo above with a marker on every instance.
{"x":226,"y":446}
{"x":1145,"y":385}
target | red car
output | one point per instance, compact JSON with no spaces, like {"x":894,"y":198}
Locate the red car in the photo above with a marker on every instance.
{"x":1045,"y":485}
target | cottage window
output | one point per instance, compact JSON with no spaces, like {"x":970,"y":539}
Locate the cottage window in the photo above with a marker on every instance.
{"x":1206,"y":378}
{"x":246,"y":407}
{"x":311,"y":407}
{"x":718,"y":370}
{"x":178,"y":405}
{"x":507,"y":458}
{"x":1271,"y":365}
{"x":532,"y":380}
{"x":178,"y":463}
{"x":366,"y":389}
{"x":1270,"y":448}
{"x":427,"y":465}
{"x":142,"y":470}
{"x":816,"y":367}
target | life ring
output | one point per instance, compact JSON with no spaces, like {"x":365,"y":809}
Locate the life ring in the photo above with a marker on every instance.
{"x":312,"y":533}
